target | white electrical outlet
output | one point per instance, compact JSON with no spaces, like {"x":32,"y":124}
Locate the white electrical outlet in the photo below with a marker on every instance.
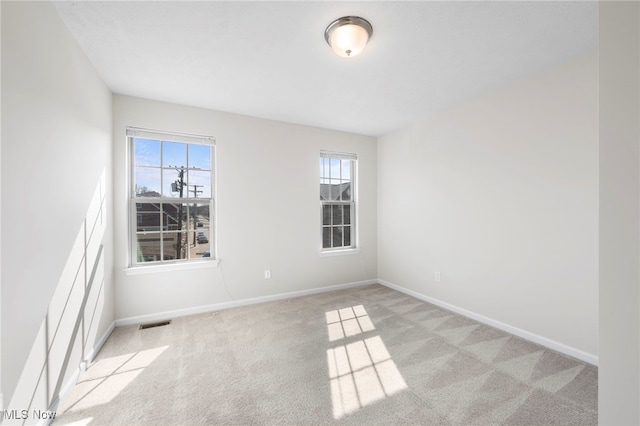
{"x":437,"y":276}
{"x":267,"y":274}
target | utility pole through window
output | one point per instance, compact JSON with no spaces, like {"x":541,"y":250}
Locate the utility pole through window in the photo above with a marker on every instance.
{"x":194,"y":211}
{"x":180,"y":184}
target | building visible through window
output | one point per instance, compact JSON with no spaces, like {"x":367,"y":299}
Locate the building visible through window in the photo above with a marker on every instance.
{"x":337,"y":199}
{"x":172,"y":200}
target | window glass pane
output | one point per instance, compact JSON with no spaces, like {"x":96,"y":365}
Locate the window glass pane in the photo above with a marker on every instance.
{"x":189,"y":221}
{"x":346,"y":169}
{"x":174,"y":154}
{"x":347,"y":215}
{"x":146,"y":152}
{"x":148,"y":246}
{"x":184,"y":245}
{"x":337,"y":236}
{"x":335,"y":169}
{"x":200,"y":244}
{"x":173,"y":217}
{"x":337,"y":215}
{"x":200,"y":236}
{"x":345,"y":191}
{"x":203,"y":254}
{"x":199,"y":184}
{"x":334,"y":186}
{"x":171,"y":183}
{"x":324,"y":171}
{"x":347,"y":236}
{"x":326,"y":215}
{"x":175,"y":245}
{"x":202,"y":216}
{"x":200,"y":157}
{"x":147,"y":217}
{"x":326,"y":237}
{"x":325,"y":189}
{"x":146,"y":182}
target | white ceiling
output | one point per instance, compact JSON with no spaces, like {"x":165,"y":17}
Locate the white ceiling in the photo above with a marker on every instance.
{"x":270,"y":59}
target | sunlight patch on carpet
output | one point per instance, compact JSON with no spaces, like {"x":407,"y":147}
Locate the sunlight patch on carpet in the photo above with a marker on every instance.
{"x":107,"y":378}
{"x":361,"y":372}
{"x":348,"y":322}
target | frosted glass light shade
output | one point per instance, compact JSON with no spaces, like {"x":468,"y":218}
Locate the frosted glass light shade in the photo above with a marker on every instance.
{"x":348,"y":35}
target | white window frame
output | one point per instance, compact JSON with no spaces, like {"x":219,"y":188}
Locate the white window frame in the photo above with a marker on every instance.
{"x":352,"y":203}
{"x":187,"y":139}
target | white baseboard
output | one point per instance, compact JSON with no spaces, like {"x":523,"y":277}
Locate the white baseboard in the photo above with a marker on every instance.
{"x":88,"y":359}
{"x":551,"y":344}
{"x":67,"y":387}
{"x":161,"y":316}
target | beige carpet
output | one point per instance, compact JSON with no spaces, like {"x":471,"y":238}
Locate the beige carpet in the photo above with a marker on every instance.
{"x":368,"y":355}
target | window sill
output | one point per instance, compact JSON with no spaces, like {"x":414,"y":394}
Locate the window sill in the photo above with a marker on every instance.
{"x":168,"y":267}
{"x":342,"y":252}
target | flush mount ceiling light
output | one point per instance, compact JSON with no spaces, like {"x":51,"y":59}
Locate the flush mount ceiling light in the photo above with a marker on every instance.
{"x":348,"y":35}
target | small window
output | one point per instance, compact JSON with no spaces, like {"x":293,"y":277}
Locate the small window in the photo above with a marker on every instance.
{"x":337,"y":200}
{"x":171,"y":197}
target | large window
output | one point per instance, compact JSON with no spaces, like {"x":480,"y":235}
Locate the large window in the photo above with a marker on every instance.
{"x":171,"y":197}
{"x":337,"y":199}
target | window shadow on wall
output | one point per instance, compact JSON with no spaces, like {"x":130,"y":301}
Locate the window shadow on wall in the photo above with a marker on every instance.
{"x":69,"y":330}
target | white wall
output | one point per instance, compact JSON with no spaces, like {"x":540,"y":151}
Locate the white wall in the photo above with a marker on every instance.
{"x":500,"y":195}
{"x":56,"y":172}
{"x":267,"y":205}
{"x":619,"y":80}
